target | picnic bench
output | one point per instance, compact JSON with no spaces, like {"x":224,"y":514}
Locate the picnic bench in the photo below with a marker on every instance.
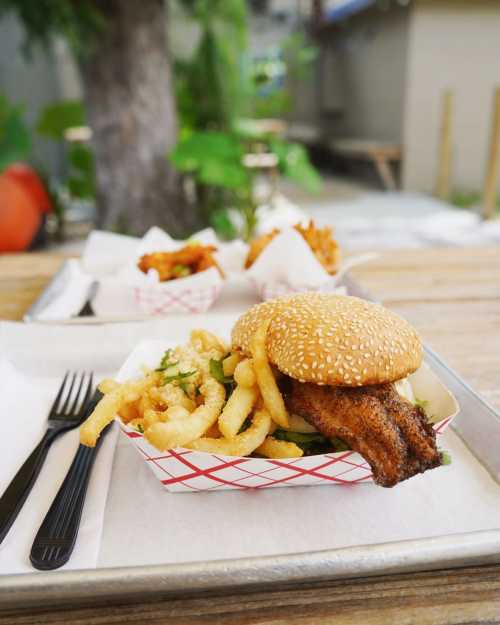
{"x":380,"y":153}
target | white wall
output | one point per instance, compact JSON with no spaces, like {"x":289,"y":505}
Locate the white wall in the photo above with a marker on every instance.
{"x":364,"y":74}
{"x":453,"y":44}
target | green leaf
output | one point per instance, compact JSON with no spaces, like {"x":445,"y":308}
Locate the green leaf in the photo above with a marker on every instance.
{"x":422,"y":403}
{"x":178,"y":377}
{"x":81,"y":181}
{"x":295,"y":164}
{"x":311,"y":443}
{"x":56,"y":118}
{"x":445,"y":458}
{"x":215,"y":158}
{"x":15,"y":137}
{"x":165,"y":362}
{"x":217,"y":371}
{"x":222,"y":224}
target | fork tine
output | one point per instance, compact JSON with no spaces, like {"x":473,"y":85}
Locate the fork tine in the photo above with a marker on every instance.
{"x":54,"y":407}
{"x":63,"y":408}
{"x":86,"y":398}
{"x":72,"y":410}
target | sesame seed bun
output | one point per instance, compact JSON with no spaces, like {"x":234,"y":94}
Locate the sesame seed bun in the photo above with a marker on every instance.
{"x":333,"y":339}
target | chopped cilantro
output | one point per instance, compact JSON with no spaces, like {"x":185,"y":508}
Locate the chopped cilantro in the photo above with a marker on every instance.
{"x":139,"y":428}
{"x":178,"y":377}
{"x":445,"y":458}
{"x":311,"y":443}
{"x":165,"y":362}
{"x":181,"y":271}
{"x":421,"y":403}
{"x":217,"y":371}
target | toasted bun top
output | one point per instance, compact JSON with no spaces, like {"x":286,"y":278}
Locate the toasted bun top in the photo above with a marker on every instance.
{"x":333,"y":339}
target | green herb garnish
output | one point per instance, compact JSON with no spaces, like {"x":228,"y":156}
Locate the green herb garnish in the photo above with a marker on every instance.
{"x":445,"y":458}
{"x":181,"y":271}
{"x":312,"y":443}
{"x":217,"y":371}
{"x":421,"y":403}
{"x":178,"y":377}
{"x":165,"y":362}
{"x":139,"y":428}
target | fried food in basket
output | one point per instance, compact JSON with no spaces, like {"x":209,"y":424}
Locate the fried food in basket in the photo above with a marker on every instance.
{"x":184,"y":262}
{"x":320,"y":240}
{"x":205,"y":397}
{"x":309,"y":374}
{"x":342,"y":359}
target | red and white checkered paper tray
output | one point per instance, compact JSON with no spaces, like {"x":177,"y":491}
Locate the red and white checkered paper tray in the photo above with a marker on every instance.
{"x":192,"y":294}
{"x":287,"y":266}
{"x":132,"y":291}
{"x":185,"y":471}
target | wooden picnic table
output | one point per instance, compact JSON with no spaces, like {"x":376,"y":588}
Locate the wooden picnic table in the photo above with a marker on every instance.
{"x":453,"y":297}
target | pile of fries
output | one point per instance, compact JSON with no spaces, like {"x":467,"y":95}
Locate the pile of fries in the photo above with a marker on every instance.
{"x":320,"y":240}
{"x":203,"y":396}
{"x":190,"y":259}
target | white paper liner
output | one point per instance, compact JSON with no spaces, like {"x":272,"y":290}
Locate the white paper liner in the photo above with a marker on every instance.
{"x":287,"y":266}
{"x":183,"y":470}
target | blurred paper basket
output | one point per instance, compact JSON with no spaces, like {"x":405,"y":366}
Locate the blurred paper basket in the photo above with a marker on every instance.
{"x":272,"y":290}
{"x":194,"y":294}
{"x":270,"y":279}
{"x":184,"y":470}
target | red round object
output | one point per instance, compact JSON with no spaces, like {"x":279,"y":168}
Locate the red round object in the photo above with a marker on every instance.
{"x":32,"y":184}
{"x":20,"y":217}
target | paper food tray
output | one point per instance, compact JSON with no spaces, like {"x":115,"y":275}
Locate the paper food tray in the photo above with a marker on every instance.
{"x":183,"y":470}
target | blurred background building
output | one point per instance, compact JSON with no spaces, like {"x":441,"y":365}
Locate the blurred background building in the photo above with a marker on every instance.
{"x":397,"y":94}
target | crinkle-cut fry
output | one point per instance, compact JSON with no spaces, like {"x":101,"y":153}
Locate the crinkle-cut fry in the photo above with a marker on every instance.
{"x":204,"y":341}
{"x":273,"y":448}
{"x":180,"y":432}
{"x":109,"y":406}
{"x":244,"y":373}
{"x":241,"y":445}
{"x":229,"y":363}
{"x":270,"y":392}
{"x":238,"y":407}
{"x":297,"y":423}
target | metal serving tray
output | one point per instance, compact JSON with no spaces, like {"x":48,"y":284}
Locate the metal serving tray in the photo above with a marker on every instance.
{"x":481,"y":434}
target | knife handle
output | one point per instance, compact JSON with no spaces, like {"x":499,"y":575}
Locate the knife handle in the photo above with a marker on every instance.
{"x":54,"y":542}
{"x":18,"y":490}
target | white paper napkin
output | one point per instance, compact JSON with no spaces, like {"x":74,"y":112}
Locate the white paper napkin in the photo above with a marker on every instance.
{"x":26,"y":401}
{"x":70,"y":300}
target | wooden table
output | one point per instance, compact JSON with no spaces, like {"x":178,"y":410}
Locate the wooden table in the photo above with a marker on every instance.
{"x":453,"y":297}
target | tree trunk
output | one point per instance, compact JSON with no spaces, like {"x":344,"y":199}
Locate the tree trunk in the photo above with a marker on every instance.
{"x":131,"y":110}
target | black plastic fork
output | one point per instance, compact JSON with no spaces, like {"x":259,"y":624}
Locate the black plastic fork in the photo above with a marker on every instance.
{"x":56,"y":538}
{"x":69,"y":409}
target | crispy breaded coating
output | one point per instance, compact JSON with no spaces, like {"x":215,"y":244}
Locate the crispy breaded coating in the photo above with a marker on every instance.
{"x":184,"y":262}
{"x":391,"y":434}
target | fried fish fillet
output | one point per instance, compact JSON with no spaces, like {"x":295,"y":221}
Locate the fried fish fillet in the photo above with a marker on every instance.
{"x":391,"y":434}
